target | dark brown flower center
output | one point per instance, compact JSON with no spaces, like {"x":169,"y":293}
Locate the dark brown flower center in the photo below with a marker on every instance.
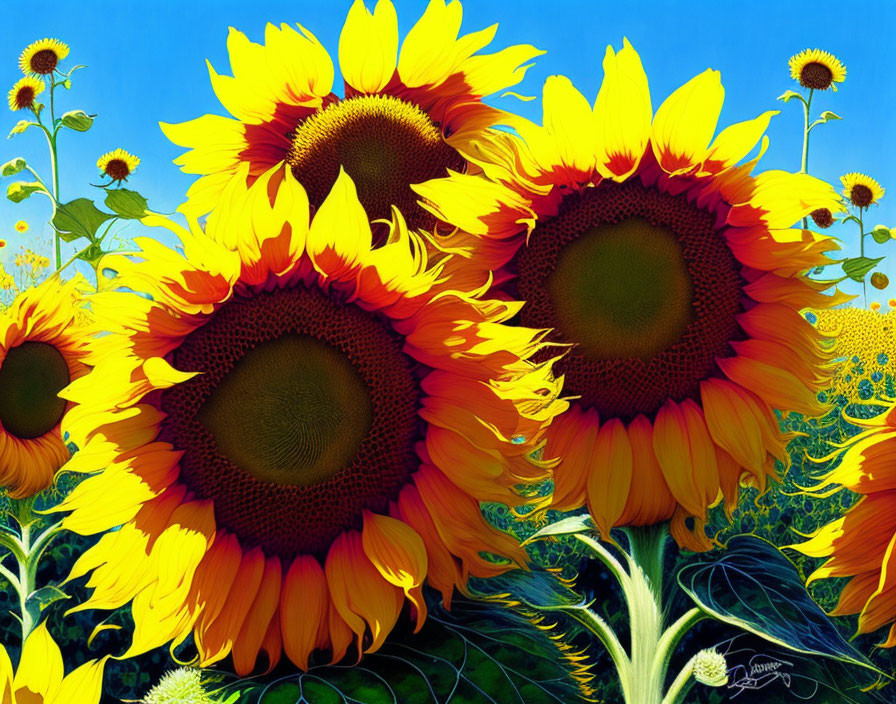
{"x":25,"y":97}
{"x":816,"y":75}
{"x":644,"y":286}
{"x":44,"y":61}
{"x":305,"y":414}
{"x":823,"y":218}
{"x":117,"y":169}
{"x":385,"y":144}
{"x":861,"y":196}
{"x":879,"y":280}
{"x":31,"y":376}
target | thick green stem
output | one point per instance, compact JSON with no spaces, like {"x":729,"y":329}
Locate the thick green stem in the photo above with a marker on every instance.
{"x":862,"y":252}
{"x":681,"y":685}
{"x":804,"y":164}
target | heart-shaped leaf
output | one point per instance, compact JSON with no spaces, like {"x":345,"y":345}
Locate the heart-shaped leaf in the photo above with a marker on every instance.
{"x":752,"y":585}
{"x":79,"y":218}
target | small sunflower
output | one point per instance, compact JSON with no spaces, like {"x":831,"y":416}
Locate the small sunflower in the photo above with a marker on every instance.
{"x":860,"y":544}
{"x":117,"y":164}
{"x":861,"y":190}
{"x":308,"y":422}
{"x":21,"y":226}
{"x":24,"y":93}
{"x":672,"y":270}
{"x":42,"y":347}
{"x":410,"y":110}
{"x":816,"y":69}
{"x":2,"y":243}
{"x":42,"y":57}
{"x":40,"y":676}
{"x":880,"y":280}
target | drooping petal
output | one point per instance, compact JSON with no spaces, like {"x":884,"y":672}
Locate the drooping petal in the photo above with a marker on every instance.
{"x":258,"y":620}
{"x":40,"y":668}
{"x":610,"y":477}
{"x":304,"y":605}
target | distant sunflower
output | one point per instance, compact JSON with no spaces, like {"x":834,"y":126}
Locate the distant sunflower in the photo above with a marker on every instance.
{"x":117,"y":164}
{"x":860,"y":544}
{"x":406,"y":117}
{"x":671,"y":271}
{"x":307,"y":423}
{"x":40,"y":676}
{"x":42,"y":57}
{"x":816,"y":69}
{"x":21,"y":226}
{"x":42,"y":348}
{"x":24,"y":93}
{"x":861,"y":190}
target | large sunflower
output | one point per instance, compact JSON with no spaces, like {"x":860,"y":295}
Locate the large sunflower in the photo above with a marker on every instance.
{"x":40,"y":677}
{"x":670,"y":270}
{"x":861,"y":544}
{"x":43,"y":339}
{"x":405,"y":116}
{"x":297,"y":432}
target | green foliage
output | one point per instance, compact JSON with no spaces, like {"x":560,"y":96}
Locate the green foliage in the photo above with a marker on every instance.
{"x":857,"y":267}
{"x":78,"y":218}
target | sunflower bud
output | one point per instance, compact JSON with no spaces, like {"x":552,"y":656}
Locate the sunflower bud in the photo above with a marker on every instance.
{"x":78,"y":120}
{"x":879,"y":280}
{"x":181,"y":686}
{"x":710,"y":668}
{"x":13,"y":166}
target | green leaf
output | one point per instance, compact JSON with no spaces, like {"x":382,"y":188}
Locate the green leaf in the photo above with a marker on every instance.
{"x":40,"y":599}
{"x":126,"y":204}
{"x":20,"y":127}
{"x":77,"y":120}
{"x":753,"y":586}
{"x":565,"y":526}
{"x":479,"y":653}
{"x":79,"y":218}
{"x":881,"y":234}
{"x":789,"y":95}
{"x":856,"y":267}
{"x":13,"y":166}
{"x":20,"y":190}
{"x":827,"y":116}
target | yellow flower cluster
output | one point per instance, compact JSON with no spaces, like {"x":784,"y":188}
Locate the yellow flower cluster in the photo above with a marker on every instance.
{"x":866,"y":341}
{"x":31,"y":260}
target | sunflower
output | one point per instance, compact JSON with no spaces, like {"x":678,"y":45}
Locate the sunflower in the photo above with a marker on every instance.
{"x":39,"y":679}
{"x":23,"y":94}
{"x":42,"y":348}
{"x":308,"y":424}
{"x":117,"y":164}
{"x":21,"y":226}
{"x":816,"y":69}
{"x":42,"y":57}
{"x":671,"y":270}
{"x":860,"y":544}
{"x":861,"y":190}
{"x":405,"y":116}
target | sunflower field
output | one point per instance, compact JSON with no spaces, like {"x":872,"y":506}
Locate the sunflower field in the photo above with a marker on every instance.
{"x":418,"y":399}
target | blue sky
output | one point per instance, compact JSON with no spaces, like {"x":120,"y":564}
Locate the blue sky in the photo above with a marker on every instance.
{"x":146,"y":63}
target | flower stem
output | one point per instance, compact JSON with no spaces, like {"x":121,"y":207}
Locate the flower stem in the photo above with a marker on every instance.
{"x":804,"y":164}
{"x":27,"y":548}
{"x":862,"y":252}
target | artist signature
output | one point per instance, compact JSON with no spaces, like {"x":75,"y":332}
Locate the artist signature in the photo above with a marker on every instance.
{"x":751,"y":670}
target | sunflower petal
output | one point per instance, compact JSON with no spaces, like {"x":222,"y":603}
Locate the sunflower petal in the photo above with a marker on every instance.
{"x":368,"y":46}
{"x":304,"y":606}
{"x":40,"y":667}
{"x":610,"y":477}
{"x":686,"y":121}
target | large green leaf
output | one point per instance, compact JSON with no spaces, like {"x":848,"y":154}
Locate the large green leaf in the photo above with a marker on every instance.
{"x":856,"y":267}
{"x":753,"y":586}
{"x":480,"y":653}
{"x":79,"y":218}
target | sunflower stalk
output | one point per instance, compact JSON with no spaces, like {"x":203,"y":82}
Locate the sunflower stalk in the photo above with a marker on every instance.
{"x":27,"y":548}
{"x":804,"y":164}
{"x":642,"y":671}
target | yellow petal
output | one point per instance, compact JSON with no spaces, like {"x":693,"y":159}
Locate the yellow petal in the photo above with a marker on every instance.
{"x":622,"y":114}
{"x":40,"y":667}
{"x":303,"y":60}
{"x":339,"y":235}
{"x":6,"y":675}
{"x":672,"y":447}
{"x":732,"y":424}
{"x":84,"y":685}
{"x":570,"y":122}
{"x":162,"y":375}
{"x":488,"y":73}
{"x":686,"y":121}
{"x":776,"y":386}
{"x":399,"y":554}
{"x":368,"y":46}
{"x":429,"y":51}
{"x":734,"y":142}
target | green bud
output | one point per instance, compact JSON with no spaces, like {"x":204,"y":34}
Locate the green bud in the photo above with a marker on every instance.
{"x":710,"y":668}
{"x":67,"y":84}
{"x":20,"y":190}
{"x":789,"y":95}
{"x":77,"y":120}
{"x":13,"y":166}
